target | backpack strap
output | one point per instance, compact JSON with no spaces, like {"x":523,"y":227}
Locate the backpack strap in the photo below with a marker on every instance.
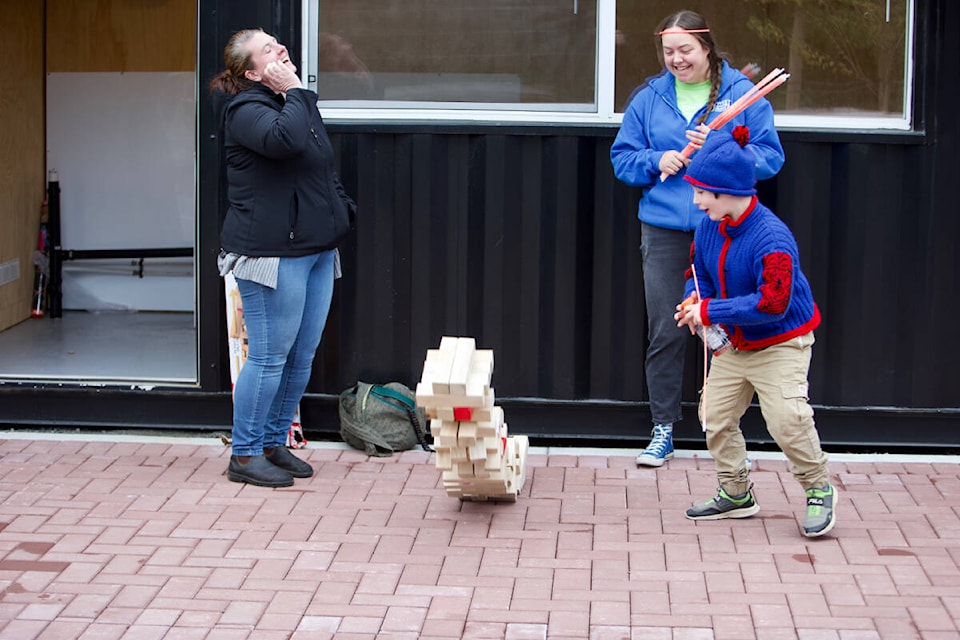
{"x":402,"y":402}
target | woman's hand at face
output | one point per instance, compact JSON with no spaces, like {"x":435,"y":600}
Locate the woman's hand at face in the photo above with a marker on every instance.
{"x":280,"y":77}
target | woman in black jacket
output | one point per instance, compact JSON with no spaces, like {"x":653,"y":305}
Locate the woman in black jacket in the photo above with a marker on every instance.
{"x":286,"y":214}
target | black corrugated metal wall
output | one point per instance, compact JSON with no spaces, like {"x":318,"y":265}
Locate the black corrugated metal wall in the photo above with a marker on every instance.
{"x":524,"y":240}
{"x":510,"y":238}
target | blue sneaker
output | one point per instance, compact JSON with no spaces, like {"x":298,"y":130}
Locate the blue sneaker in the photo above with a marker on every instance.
{"x":660,"y":448}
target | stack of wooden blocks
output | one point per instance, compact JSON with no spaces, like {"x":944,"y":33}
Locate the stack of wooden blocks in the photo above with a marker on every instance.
{"x":478,"y":459}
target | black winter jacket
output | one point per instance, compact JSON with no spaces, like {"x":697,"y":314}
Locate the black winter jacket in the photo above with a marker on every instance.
{"x":285,"y":198}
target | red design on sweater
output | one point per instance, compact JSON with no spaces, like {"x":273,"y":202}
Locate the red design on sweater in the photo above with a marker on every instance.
{"x":688,"y":272}
{"x":777,"y":283}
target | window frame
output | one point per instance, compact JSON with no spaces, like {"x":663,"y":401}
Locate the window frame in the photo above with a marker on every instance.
{"x":603,"y":113}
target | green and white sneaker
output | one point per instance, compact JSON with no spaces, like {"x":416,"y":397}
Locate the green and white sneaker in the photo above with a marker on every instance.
{"x":821,"y":505}
{"x":725,"y":506}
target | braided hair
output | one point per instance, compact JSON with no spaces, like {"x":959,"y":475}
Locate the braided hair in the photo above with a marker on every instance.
{"x":692,"y":21}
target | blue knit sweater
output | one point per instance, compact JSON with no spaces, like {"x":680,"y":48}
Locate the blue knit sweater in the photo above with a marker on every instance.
{"x":750,"y":279}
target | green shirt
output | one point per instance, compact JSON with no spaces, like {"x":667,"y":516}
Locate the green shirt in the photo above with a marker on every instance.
{"x":690,"y":97}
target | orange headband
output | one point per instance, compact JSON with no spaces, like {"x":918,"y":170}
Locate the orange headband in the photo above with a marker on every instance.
{"x":671,"y":30}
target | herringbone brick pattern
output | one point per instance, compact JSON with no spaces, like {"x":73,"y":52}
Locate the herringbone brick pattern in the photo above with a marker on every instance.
{"x":145,"y":539}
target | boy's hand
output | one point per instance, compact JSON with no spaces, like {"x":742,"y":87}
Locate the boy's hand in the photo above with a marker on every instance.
{"x":688,"y":313}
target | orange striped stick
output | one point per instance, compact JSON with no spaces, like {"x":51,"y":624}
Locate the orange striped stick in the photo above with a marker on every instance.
{"x":706,"y":358}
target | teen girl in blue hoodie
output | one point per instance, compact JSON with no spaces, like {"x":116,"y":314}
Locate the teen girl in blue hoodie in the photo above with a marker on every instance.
{"x":668,"y":111}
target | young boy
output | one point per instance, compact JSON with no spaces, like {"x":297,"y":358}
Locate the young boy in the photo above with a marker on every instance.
{"x":746,"y":263}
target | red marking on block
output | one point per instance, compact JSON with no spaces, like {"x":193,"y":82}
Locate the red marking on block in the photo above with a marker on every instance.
{"x":503,"y":443}
{"x":463,"y":413}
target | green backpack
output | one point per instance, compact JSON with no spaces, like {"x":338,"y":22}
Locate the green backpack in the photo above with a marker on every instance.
{"x":381,"y":419}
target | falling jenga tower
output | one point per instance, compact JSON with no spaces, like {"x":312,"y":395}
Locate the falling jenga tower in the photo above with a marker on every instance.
{"x":478,"y":459}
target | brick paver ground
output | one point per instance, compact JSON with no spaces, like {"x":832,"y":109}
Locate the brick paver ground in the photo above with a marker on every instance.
{"x":145,"y":539}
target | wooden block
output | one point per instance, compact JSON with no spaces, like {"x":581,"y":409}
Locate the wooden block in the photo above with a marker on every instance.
{"x":492,"y":427}
{"x":447,"y":352}
{"x":476,"y":388}
{"x":483,"y":358}
{"x":477,"y":451}
{"x":466,"y":433}
{"x":448,"y":343}
{"x":425,"y":398}
{"x":482,"y":414}
{"x":424,"y":395}
{"x":499,"y":476}
{"x":521,"y":444}
{"x":448,"y":430}
{"x":460,"y":370}
{"x":510,"y":450}
{"x":431,"y":365}
{"x":434,"y":377}
{"x":445,"y":413}
{"x":494,"y":460}
{"x":443,"y":458}
{"x":436,"y":366}
{"x":487,"y":430}
{"x":443,"y":442}
{"x":481,"y":370}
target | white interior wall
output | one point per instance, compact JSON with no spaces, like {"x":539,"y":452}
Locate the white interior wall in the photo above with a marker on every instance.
{"x":124,"y":148}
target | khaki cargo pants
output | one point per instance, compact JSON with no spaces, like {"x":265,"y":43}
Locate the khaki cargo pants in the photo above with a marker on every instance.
{"x":778,"y":376}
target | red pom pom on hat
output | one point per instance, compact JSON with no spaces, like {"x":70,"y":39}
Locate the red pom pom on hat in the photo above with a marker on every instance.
{"x":741,"y":134}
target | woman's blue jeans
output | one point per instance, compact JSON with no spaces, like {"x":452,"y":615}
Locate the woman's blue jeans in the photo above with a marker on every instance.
{"x":284,"y":327}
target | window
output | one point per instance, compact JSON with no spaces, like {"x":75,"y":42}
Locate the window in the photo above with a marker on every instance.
{"x":541,"y":61}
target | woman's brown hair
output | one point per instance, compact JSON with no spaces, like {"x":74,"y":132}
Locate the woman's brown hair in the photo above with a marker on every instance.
{"x":237,"y":57}
{"x":692,"y":21}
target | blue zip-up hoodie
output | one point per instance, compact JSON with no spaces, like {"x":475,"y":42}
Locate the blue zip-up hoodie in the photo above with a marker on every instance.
{"x":653,"y":124}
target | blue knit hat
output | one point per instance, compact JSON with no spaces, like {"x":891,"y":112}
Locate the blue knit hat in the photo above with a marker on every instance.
{"x":724,"y":164}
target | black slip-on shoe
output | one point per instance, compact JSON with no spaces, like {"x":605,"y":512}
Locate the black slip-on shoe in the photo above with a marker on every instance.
{"x":259,"y":472}
{"x":281,"y":457}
